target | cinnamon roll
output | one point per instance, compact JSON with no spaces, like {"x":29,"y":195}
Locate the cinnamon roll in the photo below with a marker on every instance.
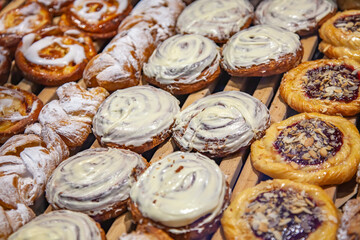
{"x":55,"y":7}
{"x":301,"y":16}
{"x":183,"y":194}
{"x":97,"y":18}
{"x":183,"y":64}
{"x":18,"y":108}
{"x":137,"y":118}
{"x":18,"y":22}
{"x":60,"y":225}
{"x":5,"y":65}
{"x":53,"y":57}
{"x":350,"y":221}
{"x":215,"y":19}
{"x":96,"y":182}
{"x":262,"y":50}
{"x":221,"y":124}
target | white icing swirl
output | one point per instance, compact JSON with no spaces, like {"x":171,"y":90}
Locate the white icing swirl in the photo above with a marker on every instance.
{"x":55,"y":4}
{"x":293,"y":15}
{"x":259,"y":44}
{"x":133,"y":116}
{"x":215,"y":18}
{"x":30,"y":49}
{"x":225,"y":122}
{"x":59,"y":225}
{"x":94,"y":180}
{"x":179,"y":189}
{"x":182,"y":58}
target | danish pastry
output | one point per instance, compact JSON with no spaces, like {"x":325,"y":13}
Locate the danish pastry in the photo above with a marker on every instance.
{"x":18,"y":22}
{"x":5,"y":65}
{"x":183,"y":64}
{"x":215,"y":19}
{"x":146,"y":232}
{"x":309,"y":147}
{"x":18,"y":108}
{"x":53,"y":57}
{"x":329,"y":86}
{"x":60,"y":225}
{"x":281,"y":209}
{"x":221,"y":124}
{"x":98,"y":19}
{"x":350,"y":221}
{"x":262,"y":50}
{"x":183,"y":194}
{"x":137,"y":118}
{"x":303,"y":17}
{"x":55,"y":7}
{"x":95,"y":181}
{"x":341,"y":35}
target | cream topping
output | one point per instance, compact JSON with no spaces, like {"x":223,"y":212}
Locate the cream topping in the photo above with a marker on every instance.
{"x":258,"y":45}
{"x":215,"y":18}
{"x":293,"y":15}
{"x":58,"y":3}
{"x":62,"y":224}
{"x":182,"y":58}
{"x":94,"y":180}
{"x":223,"y":121}
{"x":133,"y":116}
{"x":180,"y":189}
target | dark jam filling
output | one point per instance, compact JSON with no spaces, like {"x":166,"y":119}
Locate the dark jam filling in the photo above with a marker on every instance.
{"x":332,"y":82}
{"x":281,"y":214}
{"x":348,"y":23}
{"x":309,"y":142}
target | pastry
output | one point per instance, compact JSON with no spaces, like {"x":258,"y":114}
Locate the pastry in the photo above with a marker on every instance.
{"x":215,"y":19}
{"x":341,"y":35}
{"x":99,"y":19}
{"x":221,"y":124}
{"x":301,"y":16}
{"x":18,"y":22}
{"x":146,"y":232}
{"x":53,"y":57}
{"x":183,"y":64}
{"x":5,"y":65}
{"x":329,"y":86}
{"x":348,"y":4}
{"x":309,"y":147}
{"x":184,"y":194}
{"x":60,"y":225}
{"x":262,"y":50}
{"x":18,"y":108}
{"x":281,"y":209}
{"x":95,"y":181}
{"x":350,"y":221}
{"x":120,"y":64}
{"x":55,"y":7}
{"x":137,"y":118}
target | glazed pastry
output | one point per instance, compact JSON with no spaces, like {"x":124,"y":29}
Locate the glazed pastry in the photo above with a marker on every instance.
{"x":262,"y":50}
{"x":215,"y":19}
{"x":60,"y":225}
{"x":71,"y":116}
{"x":53,"y":57}
{"x":309,"y":147}
{"x":95,"y":181}
{"x":183,"y":64}
{"x":303,"y":17}
{"x":120,"y":64}
{"x":281,"y":209}
{"x":18,"y":22}
{"x":183,"y":194}
{"x":221,"y":124}
{"x":329,"y":86}
{"x":146,"y":232}
{"x":99,"y":19}
{"x":350,"y":221}
{"x":348,"y":4}
{"x":341,"y":35}
{"x":5,"y":65}
{"x":18,"y":108}
{"x":55,"y":7}
{"x":137,"y":118}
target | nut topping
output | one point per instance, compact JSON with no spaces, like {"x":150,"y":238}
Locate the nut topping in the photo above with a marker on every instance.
{"x":348,"y":23}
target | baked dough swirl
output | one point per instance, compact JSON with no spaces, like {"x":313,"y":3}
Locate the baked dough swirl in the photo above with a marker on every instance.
{"x":215,"y":19}
{"x":136,"y":118}
{"x":182,"y":61}
{"x":56,"y":7}
{"x":96,"y":182}
{"x":221,"y":124}
{"x":60,"y":225}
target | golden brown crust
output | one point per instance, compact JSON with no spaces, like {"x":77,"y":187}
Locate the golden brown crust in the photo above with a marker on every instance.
{"x":23,"y":110}
{"x":292,"y":90}
{"x":5,"y":65}
{"x":55,"y":7}
{"x":348,"y":4}
{"x":313,"y":30}
{"x":337,"y":169}
{"x":146,"y":232}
